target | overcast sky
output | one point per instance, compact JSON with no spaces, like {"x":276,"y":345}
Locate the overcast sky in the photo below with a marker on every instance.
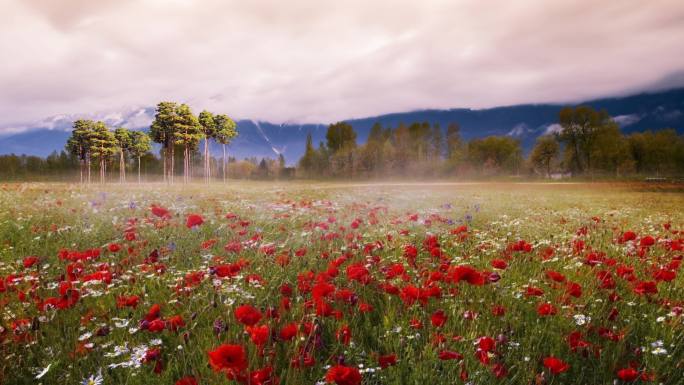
{"x":321,"y":61}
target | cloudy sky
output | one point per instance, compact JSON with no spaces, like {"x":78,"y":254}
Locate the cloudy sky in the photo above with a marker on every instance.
{"x":320,"y":61}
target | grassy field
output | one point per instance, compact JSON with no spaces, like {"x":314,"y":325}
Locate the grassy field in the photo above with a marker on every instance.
{"x":304,"y":283}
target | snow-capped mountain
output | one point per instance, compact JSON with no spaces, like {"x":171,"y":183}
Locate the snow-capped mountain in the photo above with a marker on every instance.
{"x":263,"y":139}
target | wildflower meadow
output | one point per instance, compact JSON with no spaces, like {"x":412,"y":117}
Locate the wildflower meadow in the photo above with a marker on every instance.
{"x":311,"y":283}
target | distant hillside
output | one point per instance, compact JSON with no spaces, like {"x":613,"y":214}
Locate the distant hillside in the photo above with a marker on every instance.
{"x":526,"y":122}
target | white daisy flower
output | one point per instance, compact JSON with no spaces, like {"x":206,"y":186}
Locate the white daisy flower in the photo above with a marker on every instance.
{"x":93,"y":379}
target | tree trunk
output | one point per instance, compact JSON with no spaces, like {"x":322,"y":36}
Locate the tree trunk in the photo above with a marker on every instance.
{"x":89,"y":167}
{"x":138,"y":170}
{"x":185,"y":164}
{"x":165,"y":158}
{"x":121,"y":167}
{"x":589,"y":170}
{"x":578,"y":160}
{"x":224,"y":163}
{"x":173,"y":161}
{"x":206,"y":159}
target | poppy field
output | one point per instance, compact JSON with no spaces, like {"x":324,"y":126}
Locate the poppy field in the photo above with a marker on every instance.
{"x":301,"y":283}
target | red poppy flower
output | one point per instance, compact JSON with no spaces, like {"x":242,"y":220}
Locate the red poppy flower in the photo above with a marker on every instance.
{"x":409,"y":294}
{"x":344,"y":335}
{"x":468,"y":274}
{"x":160,"y":212}
{"x":521,"y":246}
{"x":628,"y":374}
{"x":498,"y":310}
{"x":573,"y":289}
{"x":262,"y":376}
{"x":189,"y":380}
{"x":358,"y":272}
{"x":546,"y":309}
{"x":176,"y":322}
{"x":438,"y":318}
{"x":647,"y":241}
{"x":447,"y":355}
{"x":410,"y":252}
{"x":194,"y":220}
{"x":288,"y":332}
{"x":365,"y":307}
{"x":532,"y":291}
{"x":556,"y":365}
{"x":575,"y":341}
{"x":130,"y":301}
{"x":152,"y":355}
{"x":247,"y":315}
{"x":153,"y":313}
{"x":627,"y":236}
{"x":343,"y":375}
{"x":486,"y":344}
{"x":459,"y":230}
{"x":228,"y":358}
{"x":555,"y":276}
{"x":664,"y":275}
{"x":30,"y":261}
{"x":646,"y":287}
{"x":156,"y":325}
{"x":387,"y":360}
{"x":499,"y":371}
{"x":258,"y":334}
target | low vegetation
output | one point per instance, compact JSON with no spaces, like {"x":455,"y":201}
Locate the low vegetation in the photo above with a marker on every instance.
{"x":263,"y":283}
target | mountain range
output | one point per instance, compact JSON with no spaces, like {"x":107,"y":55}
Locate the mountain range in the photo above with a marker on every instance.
{"x":634,"y":113}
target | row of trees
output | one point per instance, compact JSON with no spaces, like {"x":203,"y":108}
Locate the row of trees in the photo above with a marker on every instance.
{"x":56,"y":165}
{"x":174,"y":126}
{"x":417,"y":149}
{"x":94,"y":140}
{"x":62,"y":166}
{"x":588,"y":142}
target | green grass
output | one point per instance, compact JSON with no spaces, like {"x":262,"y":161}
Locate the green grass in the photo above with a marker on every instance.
{"x":40,"y":219}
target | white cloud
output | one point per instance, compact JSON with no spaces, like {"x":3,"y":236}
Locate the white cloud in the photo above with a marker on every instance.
{"x":133,"y":118}
{"x":320,"y":61}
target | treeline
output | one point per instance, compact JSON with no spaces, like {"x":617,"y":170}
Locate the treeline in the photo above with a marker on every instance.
{"x":57,"y":164}
{"x":60,"y":166}
{"x":417,"y":149}
{"x":588,"y":143}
